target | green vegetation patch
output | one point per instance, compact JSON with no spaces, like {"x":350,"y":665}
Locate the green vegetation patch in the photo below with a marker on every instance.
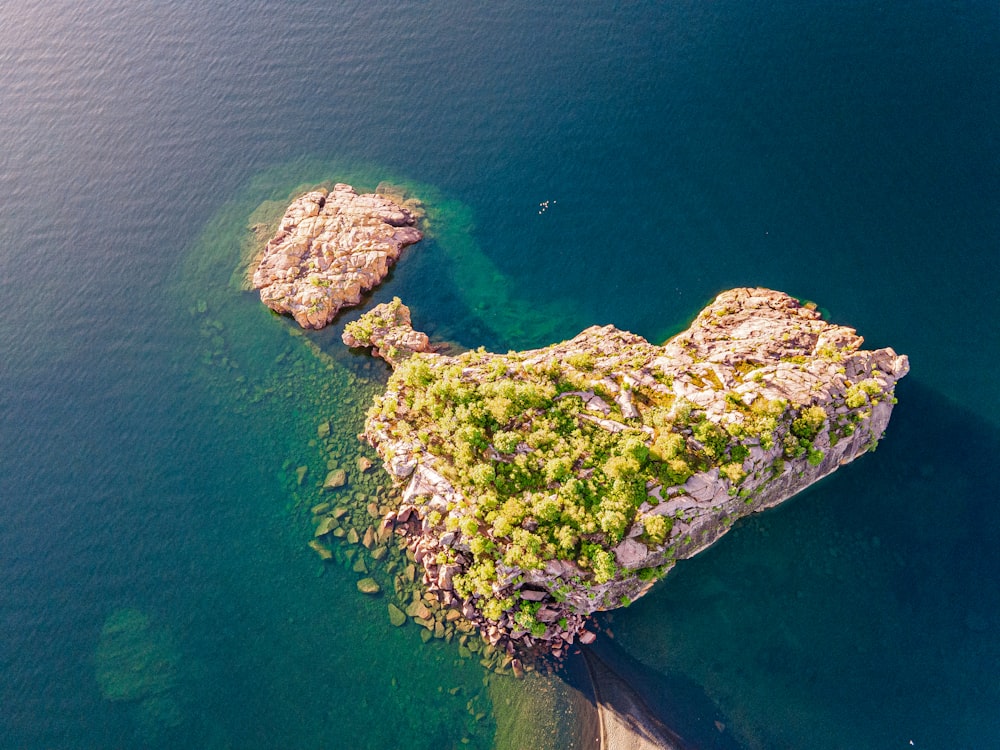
{"x":546,"y":463}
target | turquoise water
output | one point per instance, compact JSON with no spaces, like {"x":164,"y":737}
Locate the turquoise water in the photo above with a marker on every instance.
{"x":845,"y":153}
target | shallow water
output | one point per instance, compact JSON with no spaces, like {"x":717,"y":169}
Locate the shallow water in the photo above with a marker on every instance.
{"x":842,"y":153}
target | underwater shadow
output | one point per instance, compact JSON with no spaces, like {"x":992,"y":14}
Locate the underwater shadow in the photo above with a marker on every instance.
{"x":639,"y":708}
{"x":864,"y":610}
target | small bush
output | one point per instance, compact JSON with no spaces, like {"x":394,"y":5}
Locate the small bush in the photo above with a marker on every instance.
{"x":506,"y":442}
{"x":581,"y":361}
{"x":657,"y":528}
{"x":733,"y":472}
{"x":482,"y":474}
{"x":602,"y":563}
{"x":809,"y":422}
{"x":859,"y":393}
{"x":667,"y":446}
{"x":713,"y":437}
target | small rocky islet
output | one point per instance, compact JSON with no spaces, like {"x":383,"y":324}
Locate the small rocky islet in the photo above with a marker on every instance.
{"x":332,"y":246}
{"x":535,"y":488}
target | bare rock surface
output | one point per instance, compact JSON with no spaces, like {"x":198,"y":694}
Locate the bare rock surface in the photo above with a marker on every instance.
{"x":538,"y":487}
{"x":330,"y":248}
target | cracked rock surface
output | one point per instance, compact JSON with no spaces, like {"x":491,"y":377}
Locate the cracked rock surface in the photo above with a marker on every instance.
{"x":330,"y":248}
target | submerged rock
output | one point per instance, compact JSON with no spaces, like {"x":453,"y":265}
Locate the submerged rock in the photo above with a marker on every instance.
{"x":539,"y":487}
{"x":331,"y":247}
{"x":137,"y":662}
{"x":335,"y":479}
{"x":135,"y":659}
{"x":396,"y":616}
{"x":324,"y":552}
{"x":326,"y":525}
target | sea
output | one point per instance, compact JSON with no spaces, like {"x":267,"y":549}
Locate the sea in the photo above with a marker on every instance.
{"x":604,"y":162}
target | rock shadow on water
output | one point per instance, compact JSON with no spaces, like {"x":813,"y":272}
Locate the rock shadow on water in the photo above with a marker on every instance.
{"x":600,"y":698}
{"x":640,"y":709}
{"x":865,"y":613}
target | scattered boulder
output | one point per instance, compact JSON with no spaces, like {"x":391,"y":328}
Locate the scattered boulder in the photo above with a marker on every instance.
{"x":396,"y":616}
{"x":418,"y":610}
{"x":335,"y":479}
{"x":321,"y":549}
{"x":326,"y":525}
{"x":368,"y":586}
{"x":517,"y":668}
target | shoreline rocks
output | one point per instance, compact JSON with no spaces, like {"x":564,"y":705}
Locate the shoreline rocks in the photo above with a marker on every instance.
{"x":332,"y":246}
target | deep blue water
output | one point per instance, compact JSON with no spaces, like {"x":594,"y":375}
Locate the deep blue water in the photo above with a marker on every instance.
{"x":843,"y":152}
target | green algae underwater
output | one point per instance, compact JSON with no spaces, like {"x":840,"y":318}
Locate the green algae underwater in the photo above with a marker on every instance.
{"x":293,"y":403}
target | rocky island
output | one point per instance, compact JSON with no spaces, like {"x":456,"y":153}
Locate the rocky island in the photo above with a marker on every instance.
{"x":332,"y":246}
{"x":538,"y":487}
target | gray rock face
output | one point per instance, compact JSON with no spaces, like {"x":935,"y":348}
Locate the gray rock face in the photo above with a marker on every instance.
{"x":754,"y":402}
{"x":331,"y":247}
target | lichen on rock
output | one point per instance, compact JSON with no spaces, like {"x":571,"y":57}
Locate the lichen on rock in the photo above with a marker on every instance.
{"x":539,"y":487}
{"x":330,"y":248}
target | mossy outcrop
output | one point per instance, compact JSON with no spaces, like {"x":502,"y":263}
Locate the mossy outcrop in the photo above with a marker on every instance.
{"x":541,"y":486}
{"x":387,"y":329}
